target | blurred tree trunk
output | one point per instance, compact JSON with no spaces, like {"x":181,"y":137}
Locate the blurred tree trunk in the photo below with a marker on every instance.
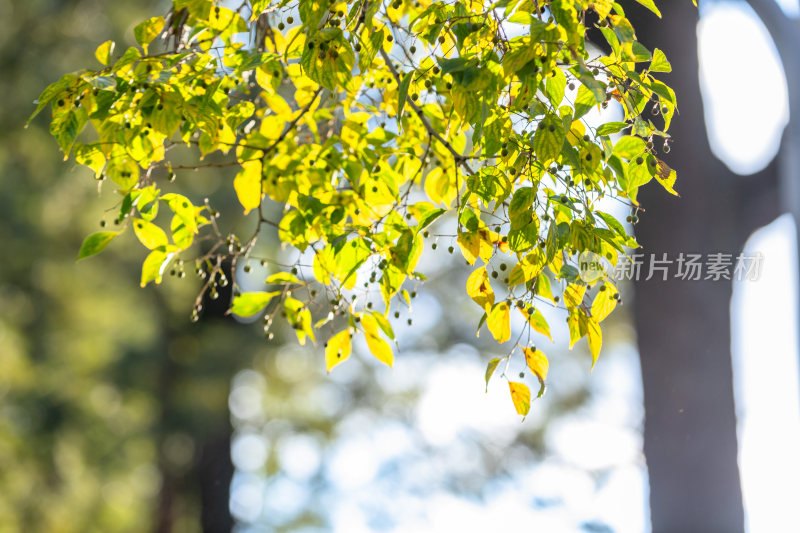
{"x":683,"y":327}
{"x":203,"y":485}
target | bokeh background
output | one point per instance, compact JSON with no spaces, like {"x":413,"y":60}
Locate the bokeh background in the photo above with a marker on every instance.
{"x":117,"y":414}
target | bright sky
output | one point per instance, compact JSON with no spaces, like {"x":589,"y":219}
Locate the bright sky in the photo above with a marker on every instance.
{"x":745,"y":115}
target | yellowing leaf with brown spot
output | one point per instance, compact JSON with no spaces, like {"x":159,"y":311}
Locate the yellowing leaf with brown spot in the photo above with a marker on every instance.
{"x":480,"y":290}
{"x":338,"y":349}
{"x":498,"y":322}
{"x":521,"y":396}
{"x":377,"y":345}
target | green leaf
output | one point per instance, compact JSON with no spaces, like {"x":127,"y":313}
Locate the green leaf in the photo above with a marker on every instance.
{"x":611,"y":127}
{"x":612,"y":223}
{"x":403,"y":93}
{"x":96,"y":243}
{"x":123,"y":171}
{"x":248,"y":304}
{"x":649,"y":4}
{"x":629,"y":147}
{"x":384,"y":324}
{"x":429,"y":217}
{"x":311,"y":12}
{"x":371,"y":42}
{"x":490,"y":368}
{"x":182,"y":236}
{"x":182,"y":207}
{"x":549,"y":138}
{"x":519,"y":210}
{"x":66,"y":126}
{"x":537,"y":321}
{"x":556,"y":83}
{"x":585,"y":101}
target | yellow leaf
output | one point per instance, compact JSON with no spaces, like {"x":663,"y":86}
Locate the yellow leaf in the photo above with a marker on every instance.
{"x":521,"y":396}
{"x":338,"y":349}
{"x":323,"y":265}
{"x":498,"y":322}
{"x":595,"y":338}
{"x":149,"y":234}
{"x":539,"y":365}
{"x":577,"y":328}
{"x":154,"y":265}
{"x":480,"y":290}
{"x":298,"y":315}
{"x":529,"y":267}
{"x":470,"y":245}
{"x":604,"y":302}
{"x":104,"y":52}
{"x":377,"y":345}
{"x":573,"y":295}
{"x":250,"y":303}
{"x":278,"y":105}
{"x":248,"y":185}
{"x":90,"y":156}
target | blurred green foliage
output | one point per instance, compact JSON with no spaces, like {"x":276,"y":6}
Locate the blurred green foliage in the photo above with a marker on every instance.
{"x":108,"y":394}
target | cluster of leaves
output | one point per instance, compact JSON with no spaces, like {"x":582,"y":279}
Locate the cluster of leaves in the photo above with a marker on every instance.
{"x":377,"y":125}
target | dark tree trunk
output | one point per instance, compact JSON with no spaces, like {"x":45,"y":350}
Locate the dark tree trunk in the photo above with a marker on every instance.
{"x":683,"y":327}
{"x":215,"y":470}
{"x":203,"y":485}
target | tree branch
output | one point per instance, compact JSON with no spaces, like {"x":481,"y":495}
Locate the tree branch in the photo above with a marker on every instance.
{"x":459,"y":158}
